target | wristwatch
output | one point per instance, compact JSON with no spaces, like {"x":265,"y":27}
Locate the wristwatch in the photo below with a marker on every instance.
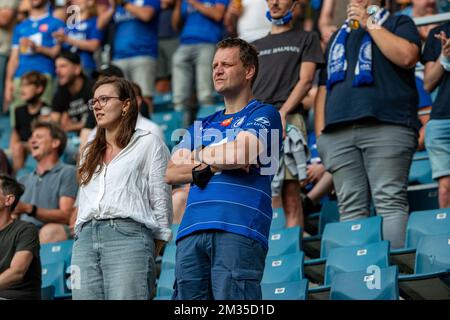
{"x":33,"y":211}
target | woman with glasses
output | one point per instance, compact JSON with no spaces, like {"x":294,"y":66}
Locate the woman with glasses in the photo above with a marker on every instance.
{"x":125,"y":207}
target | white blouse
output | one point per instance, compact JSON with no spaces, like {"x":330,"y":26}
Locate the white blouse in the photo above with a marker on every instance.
{"x":132,"y":186}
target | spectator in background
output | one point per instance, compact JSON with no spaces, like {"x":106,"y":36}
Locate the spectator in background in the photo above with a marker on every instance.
{"x":167,"y":45}
{"x":243,"y":19}
{"x":8,"y":10}
{"x":20,"y":265}
{"x":288,"y":58}
{"x":82,"y":37}
{"x":418,"y":9}
{"x":69,"y":104}
{"x":32,"y":86}
{"x":34,"y":49}
{"x":124,"y":208}
{"x":332,"y":15}
{"x":223,"y":237}
{"x":201,"y":25}
{"x":368,"y":113}
{"x":23,"y":11}
{"x":135,"y":47}
{"x":436,"y":57}
{"x":51,"y":189}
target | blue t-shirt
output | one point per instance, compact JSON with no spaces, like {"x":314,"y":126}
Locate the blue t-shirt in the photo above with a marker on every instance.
{"x":40,"y":32}
{"x":432,"y":51}
{"x":134,"y":37}
{"x":198,"y":28}
{"x":392,"y":98}
{"x":85,"y":30}
{"x":234,"y":200}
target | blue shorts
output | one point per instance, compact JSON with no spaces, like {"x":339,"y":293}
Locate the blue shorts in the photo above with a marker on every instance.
{"x":437,"y":142}
{"x":217,"y":265}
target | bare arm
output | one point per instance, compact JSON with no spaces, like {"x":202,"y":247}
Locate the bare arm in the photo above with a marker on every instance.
{"x":68,"y":125}
{"x":87,"y":45}
{"x":60,"y":215}
{"x":51,"y":52}
{"x":319,"y":110}
{"x":179,"y":169}
{"x":215,"y":12}
{"x":17,"y":269}
{"x":105,"y":15}
{"x":434,"y":71}
{"x":15,"y":138}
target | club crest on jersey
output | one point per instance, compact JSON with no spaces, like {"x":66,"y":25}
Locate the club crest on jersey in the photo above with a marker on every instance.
{"x":43,"y":27}
{"x":263,"y":120}
{"x":238,"y":122}
{"x":226,"y":122}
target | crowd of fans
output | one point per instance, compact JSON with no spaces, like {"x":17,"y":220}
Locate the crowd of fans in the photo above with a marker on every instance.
{"x":52,"y":53}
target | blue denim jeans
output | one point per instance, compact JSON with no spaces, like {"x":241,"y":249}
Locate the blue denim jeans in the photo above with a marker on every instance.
{"x":115,"y":259}
{"x":191,"y":62}
{"x":217,"y":265}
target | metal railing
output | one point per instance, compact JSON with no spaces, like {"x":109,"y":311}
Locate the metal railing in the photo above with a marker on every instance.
{"x":437,"y":18}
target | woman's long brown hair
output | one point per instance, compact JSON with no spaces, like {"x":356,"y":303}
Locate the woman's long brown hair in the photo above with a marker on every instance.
{"x":94,"y":152}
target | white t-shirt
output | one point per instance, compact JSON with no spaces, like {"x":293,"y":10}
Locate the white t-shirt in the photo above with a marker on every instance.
{"x":253,"y":24}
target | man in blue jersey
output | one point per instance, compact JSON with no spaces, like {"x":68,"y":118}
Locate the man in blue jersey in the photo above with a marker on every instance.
{"x":201,"y":25}
{"x":229,"y":159}
{"x":33,"y":49}
{"x":135,"y":47}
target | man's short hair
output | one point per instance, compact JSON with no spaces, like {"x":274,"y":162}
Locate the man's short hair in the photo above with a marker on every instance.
{"x":35,"y":78}
{"x":11,"y":186}
{"x":247,"y":52}
{"x":55,"y":132}
{"x":70,"y":56}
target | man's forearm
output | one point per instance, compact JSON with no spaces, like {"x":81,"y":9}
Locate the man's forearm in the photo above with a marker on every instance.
{"x":216,"y":12}
{"x":434,"y":71}
{"x":10,"y":277}
{"x":299,"y":92}
{"x":51,"y":52}
{"x":52,"y":215}
{"x":144,"y":14}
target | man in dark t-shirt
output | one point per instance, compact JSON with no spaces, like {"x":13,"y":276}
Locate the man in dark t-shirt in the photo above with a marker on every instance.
{"x":20,"y":266}
{"x":436,"y":57}
{"x":288,"y":59}
{"x":75,"y":89}
{"x":32,"y":86}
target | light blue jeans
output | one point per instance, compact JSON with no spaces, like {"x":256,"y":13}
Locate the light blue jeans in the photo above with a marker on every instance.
{"x":188,"y":63}
{"x":371,"y":161}
{"x":115,"y":260}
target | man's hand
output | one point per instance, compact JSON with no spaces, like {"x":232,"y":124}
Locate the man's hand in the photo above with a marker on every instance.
{"x":445,"y":42}
{"x":60,"y":36}
{"x":314,"y":172}
{"x":358,"y":12}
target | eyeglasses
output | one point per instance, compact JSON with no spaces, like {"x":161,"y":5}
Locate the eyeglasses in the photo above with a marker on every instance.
{"x":102,"y":101}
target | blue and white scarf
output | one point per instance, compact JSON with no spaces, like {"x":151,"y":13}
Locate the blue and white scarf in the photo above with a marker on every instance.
{"x":337,"y":59}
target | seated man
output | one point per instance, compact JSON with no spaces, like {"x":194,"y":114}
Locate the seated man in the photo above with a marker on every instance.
{"x":51,"y":189}
{"x":32,"y":86}
{"x":20,"y":267}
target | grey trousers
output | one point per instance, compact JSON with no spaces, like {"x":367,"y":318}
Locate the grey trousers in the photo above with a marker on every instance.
{"x":371,"y":161}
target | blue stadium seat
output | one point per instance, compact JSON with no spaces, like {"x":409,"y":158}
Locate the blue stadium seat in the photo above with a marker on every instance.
{"x":48,"y":293}
{"x":285,"y":241}
{"x":431,"y":280}
{"x":285,"y":268}
{"x":350,"y":259}
{"x":168,"y":258}
{"x":165,"y":282}
{"x":423,"y":197}
{"x":5,"y":132}
{"x":328,"y":213}
{"x":57,"y":252}
{"x":293,"y":290}
{"x":420,"y":172}
{"x":162,"y":102}
{"x":174,"y":228}
{"x":278,"y":220}
{"x":169,"y":122}
{"x":360,"y":285}
{"x":168,"y":297}
{"x":206,"y":110}
{"x":54,"y":274}
{"x":344,"y":234}
{"x":421,"y":223}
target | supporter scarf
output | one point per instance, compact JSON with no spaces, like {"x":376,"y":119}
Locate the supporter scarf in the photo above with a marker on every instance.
{"x":337,"y":59}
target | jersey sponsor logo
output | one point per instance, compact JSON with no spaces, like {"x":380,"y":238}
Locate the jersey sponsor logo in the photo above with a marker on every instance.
{"x":263,"y":120}
{"x":43,"y":27}
{"x":226,"y":122}
{"x":239,"y":122}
